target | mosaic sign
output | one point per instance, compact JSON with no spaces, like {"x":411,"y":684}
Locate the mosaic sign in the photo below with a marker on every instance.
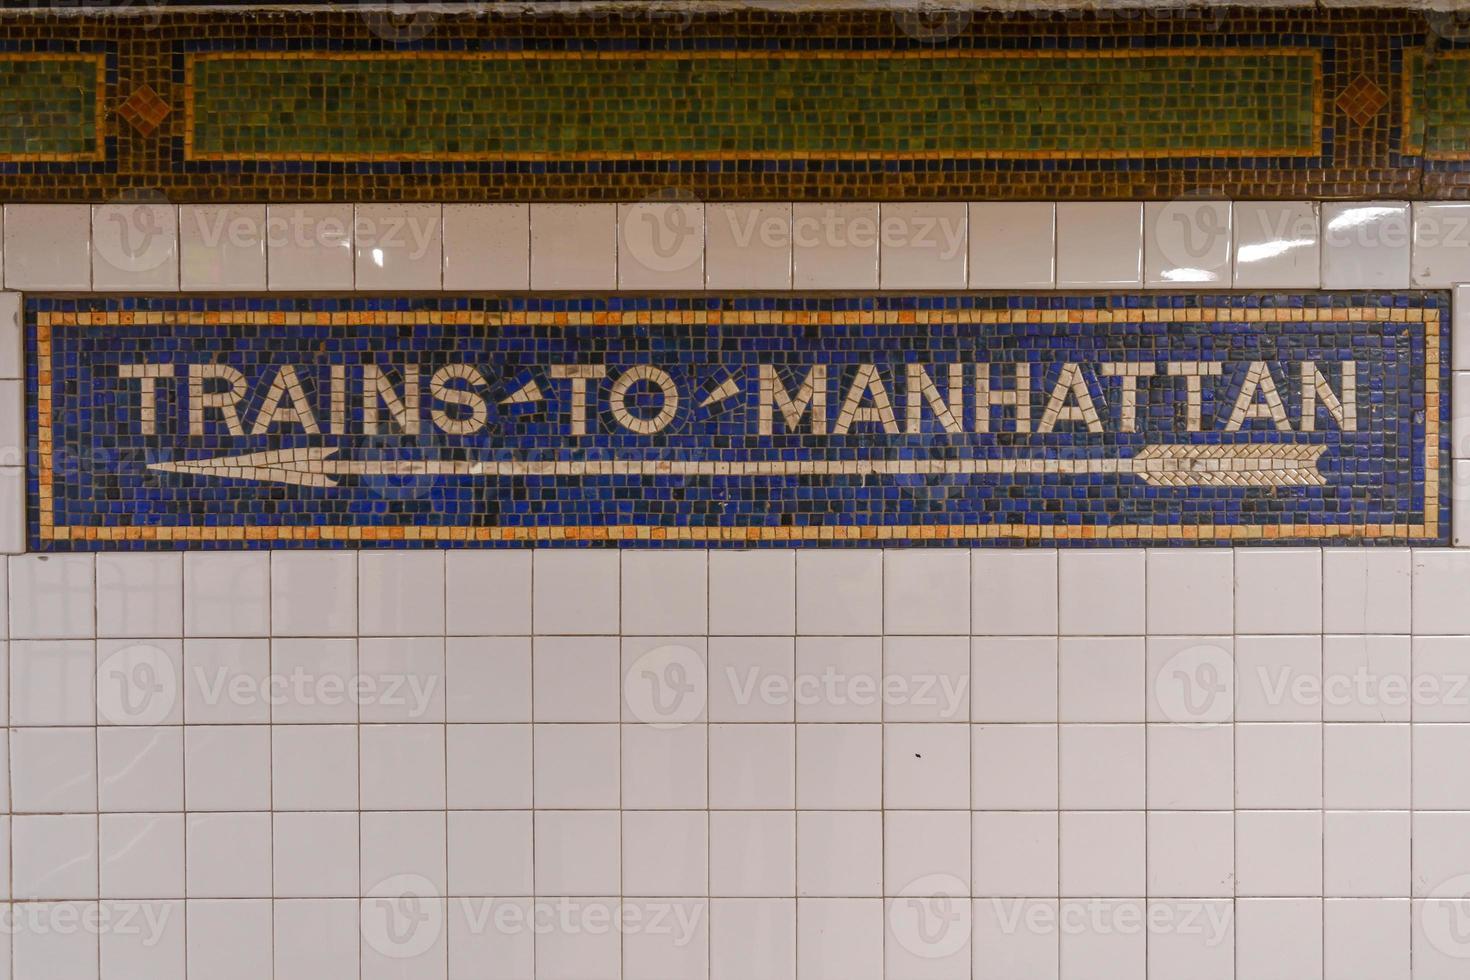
{"x":1161,"y":419}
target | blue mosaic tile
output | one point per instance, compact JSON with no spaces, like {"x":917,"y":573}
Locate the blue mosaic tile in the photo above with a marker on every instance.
{"x":753,"y":420}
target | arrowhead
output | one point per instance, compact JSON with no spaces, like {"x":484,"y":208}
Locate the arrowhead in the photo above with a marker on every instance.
{"x":299,"y":467}
{"x":525,"y":394}
{"x":726,"y":389}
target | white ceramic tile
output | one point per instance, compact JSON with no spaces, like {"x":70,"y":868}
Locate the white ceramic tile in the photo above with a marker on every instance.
{"x":1191,"y":766}
{"x":140,"y":594}
{"x":398,"y":844}
{"x":398,"y":246}
{"x":51,"y":596}
{"x":682,"y":951}
{"x":926,"y":678}
{"x":12,"y":423}
{"x":328,"y":668}
{"x":135,"y":246}
{"x":230,"y":940}
{"x":1365,"y":767}
{"x":926,"y":767}
{"x":1440,"y":690}
{"x":1278,"y":590}
{"x":1441,"y":576}
{"x":12,"y":510}
{"x":400,"y":593}
{"x":576,"y":591}
{"x":753,"y":937}
{"x":1003,"y":952}
{"x":1277,"y":245}
{"x":1278,"y":678}
{"x":40,"y":950}
{"x":1205,"y":953}
{"x":1014,"y":767}
{"x":839,"y":939}
{"x":1101,"y":679}
{"x":487,"y":246}
{"x":309,"y":246}
{"x":1102,"y":767}
{"x":1365,"y":245}
{"x":661,"y":245}
{"x":574,"y":246}
{"x":576,"y":679}
{"x":1366,"y":938}
{"x":12,"y":337}
{"x":48,"y":246}
{"x":402,"y":679}
{"x":1460,"y":329}
{"x":488,"y":592}
{"x":140,"y":769}
{"x":138,"y":682}
{"x":1104,"y":947}
{"x":402,"y":767}
{"x":839,"y":592}
{"x":926,"y":853}
{"x":748,"y":246}
{"x":1366,"y":590}
{"x":839,"y":767}
{"x":53,"y":770}
{"x":1013,"y":679}
{"x":313,"y":593}
{"x":665,"y":853}
{"x":314,"y":855}
{"x":1460,"y":414}
{"x":752,"y":679}
{"x":665,"y":767}
{"x":226,"y":593}
{"x":910,"y":948}
{"x":922,"y":245}
{"x":1441,"y":248}
{"x":1099,"y":244}
{"x":926,"y":591}
{"x":1191,"y":854}
{"x":752,"y":767}
{"x":752,"y":853}
{"x":1278,"y":766}
{"x":141,"y":855}
{"x":225,"y":680}
{"x":839,"y":678}
{"x":488,"y":766}
{"x":1440,"y":851}
{"x":574,"y":952}
{"x":227,"y":767}
{"x":839,"y":853}
{"x":222,"y":246}
{"x":1013,"y":592}
{"x":1103,"y":853}
{"x":1101,"y":592}
{"x":1366,"y":853}
{"x":228,"y":855}
{"x":752,"y":593}
{"x":53,"y":682}
{"x":1186,"y":242}
{"x":314,"y":767}
{"x":1367,"y":678}
{"x":1435,"y":956}
{"x":488,"y":679}
{"x":490,"y":853}
{"x":665,"y":592}
{"x":1190,"y":591}
{"x":1012,"y":245}
{"x":1459,"y":493}
{"x":835,"y":246}
{"x":316,"y":939}
{"x":577,"y":852}
{"x":1439,"y":783}
{"x":577,"y":766}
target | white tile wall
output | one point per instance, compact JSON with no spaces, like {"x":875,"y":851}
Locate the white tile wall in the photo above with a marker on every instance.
{"x":688,"y":245}
{"x":811,"y":764}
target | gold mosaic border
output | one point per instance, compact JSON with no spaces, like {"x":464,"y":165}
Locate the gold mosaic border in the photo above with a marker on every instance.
{"x":1314,"y":149}
{"x":98,"y":152}
{"x":1429,"y":529}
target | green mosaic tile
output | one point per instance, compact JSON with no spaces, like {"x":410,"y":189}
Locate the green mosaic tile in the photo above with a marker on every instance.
{"x":1437,"y":104}
{"x":751,"y":104}
{"x":49,"y":106}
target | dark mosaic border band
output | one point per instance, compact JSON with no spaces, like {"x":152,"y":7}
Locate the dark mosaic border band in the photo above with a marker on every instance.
{"x":737,"y":105}
{"x":395,"y":422}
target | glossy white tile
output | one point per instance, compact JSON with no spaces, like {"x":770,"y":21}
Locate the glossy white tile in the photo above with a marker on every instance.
{"x":487,"y":246}
{"x":923,"y":245}
{"x":1278,"y":245}
{"x":398,"y":246}
{"x":835,"y":246}
{"x":48,"y":246}
{"x":574,"y":246}
{"x":1365,"y":245}
{"x":135,"y":247}
{"x":1099,"y":244}
{"x":309,"y":246}
{"x":1186,"y":243}
{"x":748,"y":246}
{"x":1441,"y":247}
{"x":661,"y":245}
{"x":1012,"y":245}
{"x":222,"y":247}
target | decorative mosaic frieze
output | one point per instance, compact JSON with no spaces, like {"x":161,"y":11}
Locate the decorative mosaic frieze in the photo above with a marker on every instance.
{"x":438,"y":105}
{"x":1111,"y":419}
